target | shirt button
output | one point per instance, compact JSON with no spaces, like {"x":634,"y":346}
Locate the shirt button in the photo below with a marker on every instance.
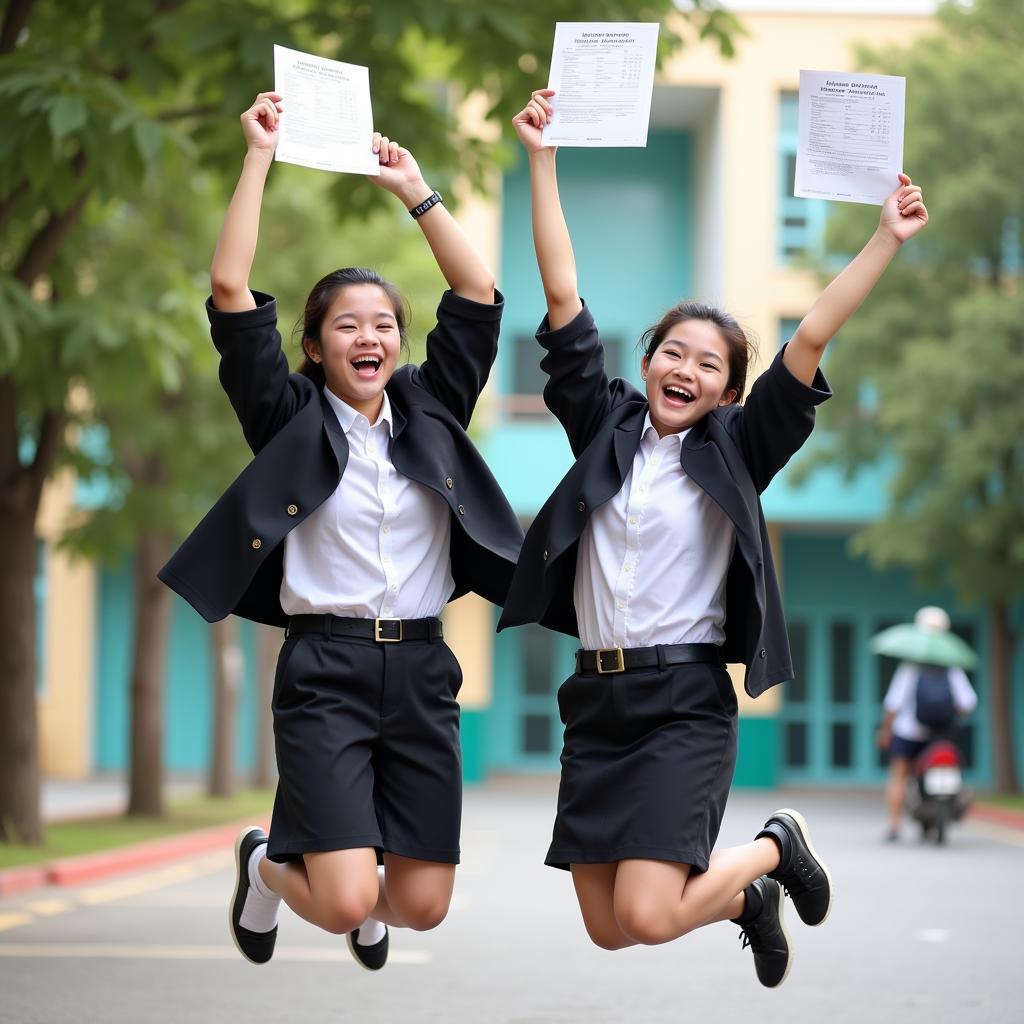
{"x":293,"y":510}
{"x":621,"y":605}
{"x":627,"y":568}
{"x":762,"y":653}
{"x":449,"y":482}
{"x":387,"y":529}
{"x":256,"y":543}
{"x":643,"y":487}
{"x":462,"y":510}
{"x":632,"y":520}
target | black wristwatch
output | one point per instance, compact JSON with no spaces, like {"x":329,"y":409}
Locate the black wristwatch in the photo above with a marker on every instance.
{"x":432,"y":200}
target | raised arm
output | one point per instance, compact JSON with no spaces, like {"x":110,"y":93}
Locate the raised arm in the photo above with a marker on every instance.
{"x":903,"y":215}
{"x":457,"y":259}
{"x":236,"y":246}
{"x":551,"y":239}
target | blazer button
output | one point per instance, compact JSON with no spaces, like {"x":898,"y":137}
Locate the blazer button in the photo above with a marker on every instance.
{"x":581,"y":507}
{"x":449,"y":482}
{"x":762,"y":653}
{"x":462,"y":510}
{"x":293,"y":510}
{"x":545,"y":554}
{"x":256,"y":543}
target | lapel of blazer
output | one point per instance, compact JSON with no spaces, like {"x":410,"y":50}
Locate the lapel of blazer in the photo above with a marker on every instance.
{"x":334,"y":434}
{"x":626,"y":441}
{"x":704,"y":462}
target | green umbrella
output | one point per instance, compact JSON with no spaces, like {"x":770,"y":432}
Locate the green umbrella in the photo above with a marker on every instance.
{"x":911,"y":643}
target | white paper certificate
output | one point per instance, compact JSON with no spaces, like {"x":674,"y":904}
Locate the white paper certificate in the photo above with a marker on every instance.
{"x":603,"y":76}
{"x":850,"y":136}
{"x":327,"y":122}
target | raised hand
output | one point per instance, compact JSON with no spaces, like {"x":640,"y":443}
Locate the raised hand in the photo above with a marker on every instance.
{"x":399,"y":172}
{"x":530,"y":121}
{"x":904,"y":212}
{"x":260,"y":122}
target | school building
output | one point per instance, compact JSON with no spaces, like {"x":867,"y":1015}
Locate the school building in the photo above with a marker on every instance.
{"x":706,"y":210}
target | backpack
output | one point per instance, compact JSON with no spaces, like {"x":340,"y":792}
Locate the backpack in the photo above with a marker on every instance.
{"x":934,"y":705}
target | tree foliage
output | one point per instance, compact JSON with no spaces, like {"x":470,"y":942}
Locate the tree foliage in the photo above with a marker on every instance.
{"x":940,"y":343}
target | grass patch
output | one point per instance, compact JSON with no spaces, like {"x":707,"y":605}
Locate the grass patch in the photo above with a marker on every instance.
{"x":1011,"y":803}
{"x":90,"y":835}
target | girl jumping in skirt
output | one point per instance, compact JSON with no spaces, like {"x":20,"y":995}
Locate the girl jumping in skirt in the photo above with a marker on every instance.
{"x":654,"y":551}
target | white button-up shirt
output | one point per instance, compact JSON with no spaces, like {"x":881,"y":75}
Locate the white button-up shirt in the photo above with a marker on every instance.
{"x":376,"y":548}
{"x":653,"y":559}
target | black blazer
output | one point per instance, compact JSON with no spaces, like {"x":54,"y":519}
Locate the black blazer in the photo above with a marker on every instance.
{"x":233,"y":560}
{"x":732,"y":453}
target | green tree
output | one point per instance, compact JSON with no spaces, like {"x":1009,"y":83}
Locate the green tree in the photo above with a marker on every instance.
{"x":941,"y":341}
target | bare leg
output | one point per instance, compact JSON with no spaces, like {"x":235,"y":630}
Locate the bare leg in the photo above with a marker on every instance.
{"x":656,"y":901}
{"x":595,"y":891}
{"x":896,"y":790}
{"x":416,"y":893}
{"x":336,"y":891}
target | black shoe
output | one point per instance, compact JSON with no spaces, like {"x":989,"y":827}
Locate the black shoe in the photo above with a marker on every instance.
{"x":767,"y":937}
{"x":374,"y":957}
{"x":801,"y":871}
{"x":256,"y":947}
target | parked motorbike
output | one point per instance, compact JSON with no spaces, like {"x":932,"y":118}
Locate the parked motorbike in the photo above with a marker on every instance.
{"x":937,"y":794}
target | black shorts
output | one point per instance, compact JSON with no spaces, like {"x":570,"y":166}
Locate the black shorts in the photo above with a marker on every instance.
{"x":900,"y":746}
{"x":368,"y":754}
{"x":647,"y":761}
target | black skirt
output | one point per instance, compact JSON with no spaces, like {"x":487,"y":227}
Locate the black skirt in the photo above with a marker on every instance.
{"x":647,"y":761}
{"x":368,"y":753}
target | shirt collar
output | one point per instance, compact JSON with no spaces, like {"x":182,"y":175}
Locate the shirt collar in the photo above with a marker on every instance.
{"x":650,"y":438}
{"x":349,"y":417}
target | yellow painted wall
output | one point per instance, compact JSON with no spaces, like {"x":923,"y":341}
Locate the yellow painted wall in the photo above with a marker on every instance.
{"x":469,"y":632}
{"x":65,"y":702}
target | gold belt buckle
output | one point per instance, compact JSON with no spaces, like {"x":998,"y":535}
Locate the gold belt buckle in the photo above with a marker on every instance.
{"x":619,"y":665}
{"x":386,"y":639}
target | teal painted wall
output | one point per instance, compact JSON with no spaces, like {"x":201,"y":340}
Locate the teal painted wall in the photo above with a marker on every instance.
{"x":757,"y":760}
{"x":188,"y":698}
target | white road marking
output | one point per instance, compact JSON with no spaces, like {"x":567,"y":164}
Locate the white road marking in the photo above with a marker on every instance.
{"x":47,"y":908}
{"x":13,"y":919}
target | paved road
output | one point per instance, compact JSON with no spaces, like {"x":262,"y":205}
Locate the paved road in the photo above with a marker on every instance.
{"x":918,"y":934}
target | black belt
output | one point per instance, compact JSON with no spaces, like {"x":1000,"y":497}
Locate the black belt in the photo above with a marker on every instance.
{"x":385,"y":631}
{"x":621,"y":659}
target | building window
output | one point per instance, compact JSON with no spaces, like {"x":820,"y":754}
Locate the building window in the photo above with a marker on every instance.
{"x":801,"y":221}
{"x":525,"y":399}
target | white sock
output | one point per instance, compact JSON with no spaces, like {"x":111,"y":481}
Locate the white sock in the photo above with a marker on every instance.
{"x":371,"y":931}
{"x":261,"y":903}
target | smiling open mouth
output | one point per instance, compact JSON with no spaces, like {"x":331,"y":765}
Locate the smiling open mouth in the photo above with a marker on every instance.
{"x":366,"y":366}
{"x":678,"y":395}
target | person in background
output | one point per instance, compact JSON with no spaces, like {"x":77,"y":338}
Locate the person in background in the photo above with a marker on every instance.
{"x":901,"y":735}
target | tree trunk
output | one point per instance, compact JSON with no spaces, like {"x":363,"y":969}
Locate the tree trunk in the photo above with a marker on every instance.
{"x":268,"y":646}
{"x":1004,"y":754}
{"x":19,"y":739}
{"x":149,"y":665}
{"x":227,"y":683}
